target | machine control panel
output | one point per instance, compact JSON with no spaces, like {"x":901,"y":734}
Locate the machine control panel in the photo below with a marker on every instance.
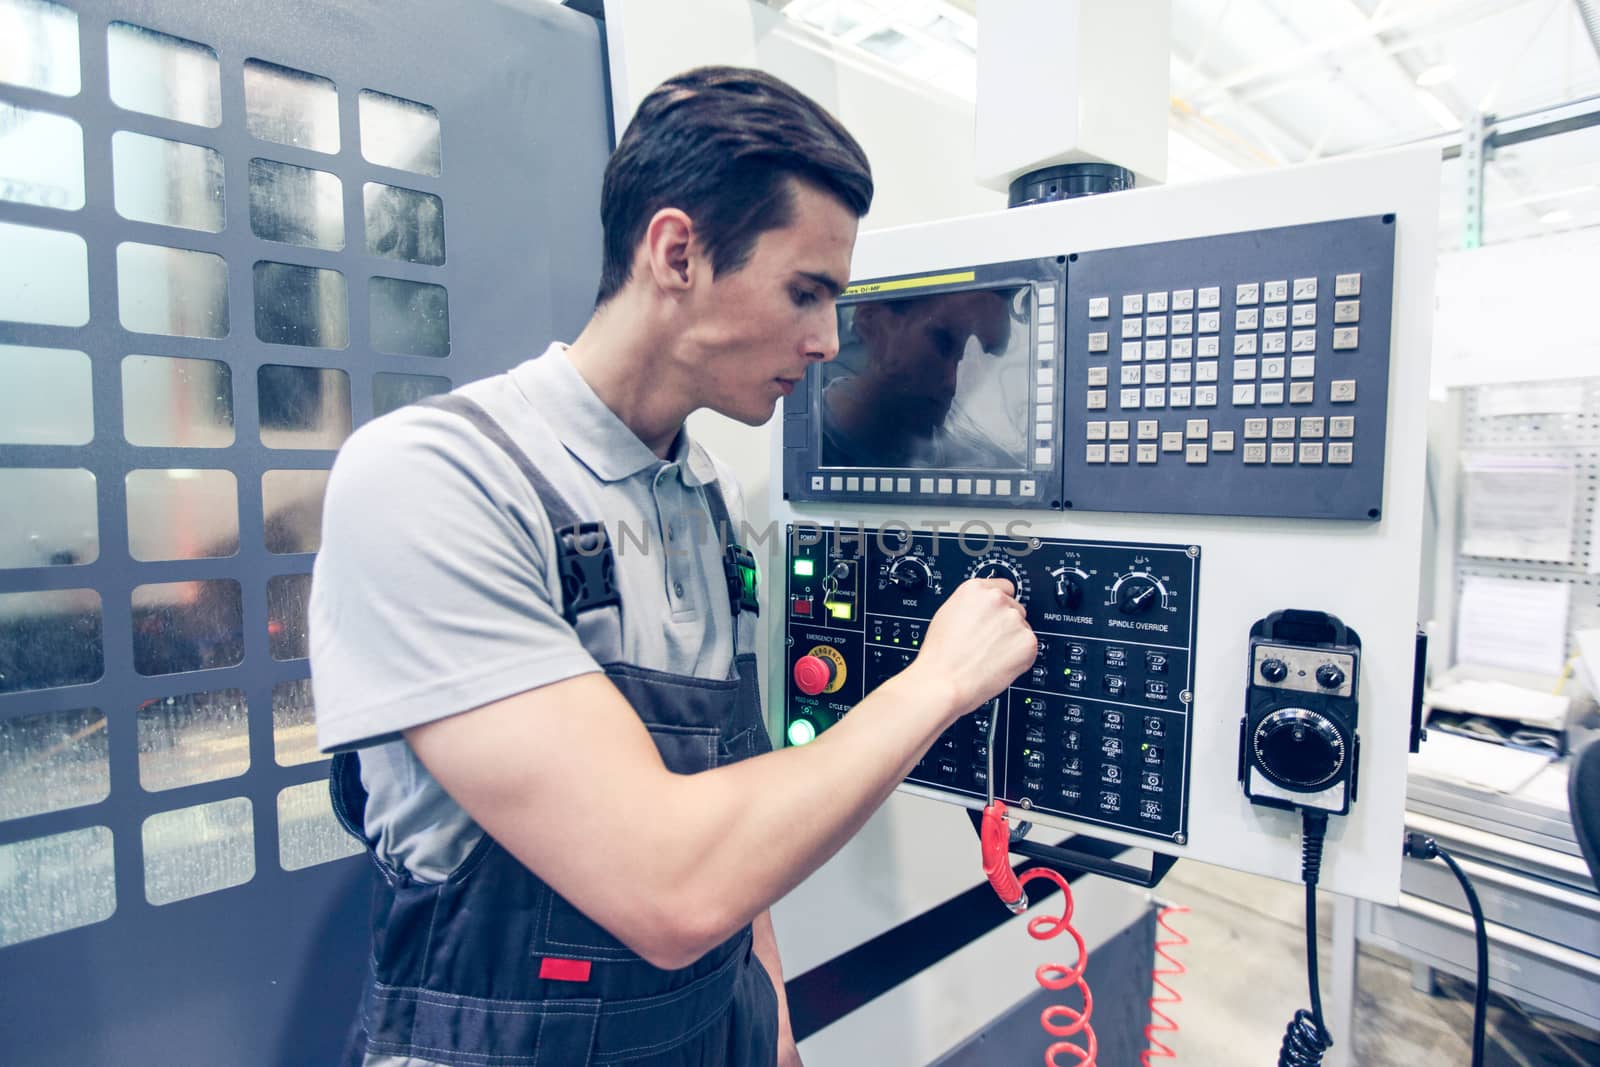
{"x":1241,"y":374}
{"x":1097,"y":731}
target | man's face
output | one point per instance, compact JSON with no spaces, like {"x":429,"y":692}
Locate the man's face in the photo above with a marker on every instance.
{"x":756,"y":330}
{"x":915,"y":349}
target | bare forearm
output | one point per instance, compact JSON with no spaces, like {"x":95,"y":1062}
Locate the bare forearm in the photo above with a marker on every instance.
{"x":752,"y":831}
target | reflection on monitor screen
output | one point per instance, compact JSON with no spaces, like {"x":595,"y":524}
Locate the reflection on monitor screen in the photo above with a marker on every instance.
{"x":930,"y":382}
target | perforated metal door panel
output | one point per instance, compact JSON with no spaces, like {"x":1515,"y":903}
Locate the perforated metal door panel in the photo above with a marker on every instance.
{"x":229,"y":234}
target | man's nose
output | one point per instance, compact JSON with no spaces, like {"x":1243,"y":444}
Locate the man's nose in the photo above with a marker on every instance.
{"x":825,"y":346}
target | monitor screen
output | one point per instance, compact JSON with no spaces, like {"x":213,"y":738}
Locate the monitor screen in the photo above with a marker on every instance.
{"x":935,"y":382}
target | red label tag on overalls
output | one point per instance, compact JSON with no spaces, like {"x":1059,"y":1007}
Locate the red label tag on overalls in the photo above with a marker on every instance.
{"x":564,"y":970}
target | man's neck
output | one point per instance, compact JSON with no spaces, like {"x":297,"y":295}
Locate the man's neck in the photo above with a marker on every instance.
{"x":627,"y":363}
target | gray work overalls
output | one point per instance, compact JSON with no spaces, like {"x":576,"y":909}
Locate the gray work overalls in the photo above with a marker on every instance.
{"x":492,"y":967}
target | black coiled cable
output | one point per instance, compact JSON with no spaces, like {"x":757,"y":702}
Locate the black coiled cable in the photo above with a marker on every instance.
{"x":1304,"y":1042}
{"x":1306,"y":1039}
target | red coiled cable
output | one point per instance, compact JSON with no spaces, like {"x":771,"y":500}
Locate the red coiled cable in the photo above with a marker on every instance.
{"x":1053,"y":976}
{"x":1157,"y":1049}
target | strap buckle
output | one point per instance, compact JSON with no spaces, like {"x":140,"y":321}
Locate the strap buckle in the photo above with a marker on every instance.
{"x":739,"y":566}
{"x":588,"y":569}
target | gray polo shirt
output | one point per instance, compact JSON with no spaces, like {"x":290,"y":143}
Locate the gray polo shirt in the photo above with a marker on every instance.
{"x":436,"y":590}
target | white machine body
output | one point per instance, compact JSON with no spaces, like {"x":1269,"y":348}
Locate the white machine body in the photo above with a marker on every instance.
{"x":1073,"y":81}
{"x":1364,"y":572}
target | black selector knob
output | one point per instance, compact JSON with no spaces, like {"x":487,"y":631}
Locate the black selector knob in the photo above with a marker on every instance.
{"x":909,"y":573}
{"x":991,"y":570}
{"x":1274,"y":670}
{"x":1137,"y":597}
{"x":841,"y":570}
{"x":1329,"y":676}
{"x":1299,"y":749}
{"x":1069,"y":591}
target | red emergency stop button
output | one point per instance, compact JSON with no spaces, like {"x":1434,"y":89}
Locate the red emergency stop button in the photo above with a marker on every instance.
{"x":812,"y":674}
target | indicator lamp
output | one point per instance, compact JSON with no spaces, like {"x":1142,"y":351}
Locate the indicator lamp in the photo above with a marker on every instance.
{"x":804,"y":568}
{"x":801,"y":732}
{"x":842,"y":609}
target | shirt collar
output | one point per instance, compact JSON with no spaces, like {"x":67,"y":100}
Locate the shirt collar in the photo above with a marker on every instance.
{"x":592,"y":432}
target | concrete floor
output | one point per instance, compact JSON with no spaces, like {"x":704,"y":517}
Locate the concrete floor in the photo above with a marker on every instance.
{"x":1246,"y":978}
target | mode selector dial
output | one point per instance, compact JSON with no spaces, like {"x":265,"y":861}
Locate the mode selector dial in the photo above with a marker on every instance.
{"x":910,"y":573}
{"x":1299,"y":749}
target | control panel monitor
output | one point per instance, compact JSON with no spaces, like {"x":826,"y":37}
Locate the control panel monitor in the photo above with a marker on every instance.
{"x":944,"y":386}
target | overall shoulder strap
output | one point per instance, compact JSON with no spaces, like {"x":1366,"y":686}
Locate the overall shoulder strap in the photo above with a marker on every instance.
{"x":738,"y":564}
{"x":586,"y":563}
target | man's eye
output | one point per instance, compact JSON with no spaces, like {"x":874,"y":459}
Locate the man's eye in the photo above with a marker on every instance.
{"x":802,"y":297}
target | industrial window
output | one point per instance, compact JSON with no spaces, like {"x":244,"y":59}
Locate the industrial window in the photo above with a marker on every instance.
{"x":173,"y":291}
{"x":44,"y":276}
{"x":308,"y":832}
{"x":53,"y":762}
{"x":303,"y":407}
{"x":290,"y":107}
{"x":409,"y":318}
{"x":199,"y":849}
{"x":296,"y":205}
{"x":193,"y":738}
{"x":391,"y":391}
{"x":167,"y":183}
{"x":56,"y":883}
{"x":399,"y":133}
{"x":49,"y":518}
{"x":164,"y":76}
{"x":41,"y":158}
{"x":291,"y":507}
{"x":46,"y":396}
{"x":404,"y":224}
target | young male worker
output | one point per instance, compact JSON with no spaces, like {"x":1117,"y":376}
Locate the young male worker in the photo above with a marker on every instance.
{"x":573,"y":804}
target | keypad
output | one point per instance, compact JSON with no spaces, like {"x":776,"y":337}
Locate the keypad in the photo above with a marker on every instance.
{"x":1262,"y":343}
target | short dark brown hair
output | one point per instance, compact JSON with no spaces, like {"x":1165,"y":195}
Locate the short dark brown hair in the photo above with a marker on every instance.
{"x":721,"y":144}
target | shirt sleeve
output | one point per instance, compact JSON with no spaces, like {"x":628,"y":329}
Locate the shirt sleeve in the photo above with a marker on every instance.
{"x":434,"y":590}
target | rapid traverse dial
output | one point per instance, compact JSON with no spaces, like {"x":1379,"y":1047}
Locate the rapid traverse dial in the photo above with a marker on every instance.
{"x":1069,"y":586}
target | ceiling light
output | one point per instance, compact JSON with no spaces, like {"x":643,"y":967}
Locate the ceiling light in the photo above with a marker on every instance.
{"x":1434,"y":106}
{"x":1437,"y":74}
{"x":1556,"y":218}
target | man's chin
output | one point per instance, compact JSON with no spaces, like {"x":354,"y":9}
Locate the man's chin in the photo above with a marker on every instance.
{"x":752,"y":415}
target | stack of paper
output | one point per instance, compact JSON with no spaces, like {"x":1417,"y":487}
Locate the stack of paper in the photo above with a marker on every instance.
{"x":1479,"y":765}
{"x":1499,"y":700}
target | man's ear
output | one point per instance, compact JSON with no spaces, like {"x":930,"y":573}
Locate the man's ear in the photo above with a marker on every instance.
{"x":668,"y":248}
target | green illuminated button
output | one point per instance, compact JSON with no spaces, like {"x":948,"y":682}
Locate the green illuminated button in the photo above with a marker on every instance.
{"x":801,"y":732}
{"x":804,"y":568}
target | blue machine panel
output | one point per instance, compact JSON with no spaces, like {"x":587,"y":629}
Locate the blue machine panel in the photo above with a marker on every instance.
{"x":1097,"y":731}
{"x":1242,"y":374}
